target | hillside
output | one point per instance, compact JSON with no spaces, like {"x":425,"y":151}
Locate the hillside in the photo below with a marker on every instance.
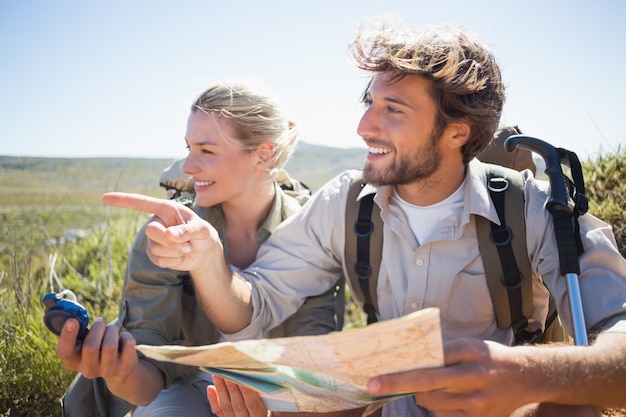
{"x":314,"y":165}
{"x":36,"y":181}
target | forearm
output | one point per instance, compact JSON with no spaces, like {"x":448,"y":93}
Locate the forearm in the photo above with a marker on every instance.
{"x":224,"y":296}
{"x":139,"y":387}
{"x":578,"y":375}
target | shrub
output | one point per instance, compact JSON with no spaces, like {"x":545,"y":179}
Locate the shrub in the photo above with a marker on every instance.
{"x":605,"y":181}
{"x":33,"y":378}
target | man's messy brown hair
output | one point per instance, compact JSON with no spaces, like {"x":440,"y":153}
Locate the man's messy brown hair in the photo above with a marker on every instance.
{"x":467,"y":85}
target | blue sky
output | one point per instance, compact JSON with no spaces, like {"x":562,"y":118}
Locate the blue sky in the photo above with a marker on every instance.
{"x":116,"y":78}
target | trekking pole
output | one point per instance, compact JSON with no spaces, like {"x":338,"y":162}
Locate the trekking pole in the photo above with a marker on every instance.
{"x":562,"y":215}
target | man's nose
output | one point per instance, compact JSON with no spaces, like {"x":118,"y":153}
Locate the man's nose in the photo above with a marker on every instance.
{"x":367,"y":125}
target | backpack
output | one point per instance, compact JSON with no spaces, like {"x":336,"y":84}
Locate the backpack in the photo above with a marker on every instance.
{"x":509,"y":281}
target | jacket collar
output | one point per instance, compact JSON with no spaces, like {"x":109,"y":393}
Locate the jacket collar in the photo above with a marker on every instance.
{"x":283,"y":206}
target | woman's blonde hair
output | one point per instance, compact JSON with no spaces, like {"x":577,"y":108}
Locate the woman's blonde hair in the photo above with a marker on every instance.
{"x":256,"y":117}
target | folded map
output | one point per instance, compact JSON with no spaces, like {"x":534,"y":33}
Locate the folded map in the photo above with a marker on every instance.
{"x":319,"y":373}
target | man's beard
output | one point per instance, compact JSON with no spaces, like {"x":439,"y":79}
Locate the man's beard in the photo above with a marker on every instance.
{"x":416,"y":165}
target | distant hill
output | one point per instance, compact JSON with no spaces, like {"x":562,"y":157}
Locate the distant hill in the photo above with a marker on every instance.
{"x":314,"y":165}
{"x":40,"y":181}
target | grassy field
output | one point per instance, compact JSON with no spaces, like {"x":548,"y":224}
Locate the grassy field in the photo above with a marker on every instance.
{"x":56,"y":234}
{"x":45,"y":206}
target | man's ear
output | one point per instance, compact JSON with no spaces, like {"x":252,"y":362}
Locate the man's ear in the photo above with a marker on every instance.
{"x":265,"y":152}
{"x":458,"y":133}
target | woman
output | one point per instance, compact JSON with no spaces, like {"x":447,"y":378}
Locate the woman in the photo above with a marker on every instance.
{"x":238,"y":139}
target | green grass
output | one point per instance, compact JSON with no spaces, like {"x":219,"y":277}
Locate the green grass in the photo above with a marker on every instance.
{"x":32,"y":377}
{"x":41,"y":199}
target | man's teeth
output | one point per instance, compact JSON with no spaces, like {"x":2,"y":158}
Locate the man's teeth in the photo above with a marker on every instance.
{"x":204,"y":183}
{"x":378,"y":150}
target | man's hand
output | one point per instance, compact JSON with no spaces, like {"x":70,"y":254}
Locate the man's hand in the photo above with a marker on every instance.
{"x":480,"y":379}
{"x":177,"y":237}
{"x":488,"y":379}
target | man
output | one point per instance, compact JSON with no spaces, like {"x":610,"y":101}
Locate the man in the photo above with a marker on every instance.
{"x":433,"y":103}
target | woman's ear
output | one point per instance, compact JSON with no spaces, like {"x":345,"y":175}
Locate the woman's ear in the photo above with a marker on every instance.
{"x":265,"y":153}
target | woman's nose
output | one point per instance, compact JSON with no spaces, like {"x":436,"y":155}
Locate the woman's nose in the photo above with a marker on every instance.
{"x":189,"y":166}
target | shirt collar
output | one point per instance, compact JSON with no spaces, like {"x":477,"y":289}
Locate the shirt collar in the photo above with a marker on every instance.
{"x":477,"y":200}
{"x":282,"y":207}
{"x":274,"y":217}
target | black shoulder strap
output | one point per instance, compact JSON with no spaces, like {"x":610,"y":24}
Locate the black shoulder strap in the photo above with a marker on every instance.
{"x":510,"y":279}
{"x":363,"y":255}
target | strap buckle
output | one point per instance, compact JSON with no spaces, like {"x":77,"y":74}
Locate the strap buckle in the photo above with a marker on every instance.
{"x":512,"y":279}
{"x":363,"y":228}
{"x":363,"y":269}
{"x":498,"y":184}
{"x":501,"y":236}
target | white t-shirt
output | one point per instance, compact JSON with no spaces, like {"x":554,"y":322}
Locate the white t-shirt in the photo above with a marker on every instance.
{"x":426,"y":220}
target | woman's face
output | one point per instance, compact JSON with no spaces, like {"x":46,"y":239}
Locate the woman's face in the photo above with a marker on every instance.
{"x":221,"y":171}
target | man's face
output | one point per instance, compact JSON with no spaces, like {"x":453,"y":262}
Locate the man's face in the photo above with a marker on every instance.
{"x":398,"y":127}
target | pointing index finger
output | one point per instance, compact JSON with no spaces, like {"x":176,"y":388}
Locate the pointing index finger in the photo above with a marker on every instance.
{"x":169,"y":212}
{"x":134,"y":202}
